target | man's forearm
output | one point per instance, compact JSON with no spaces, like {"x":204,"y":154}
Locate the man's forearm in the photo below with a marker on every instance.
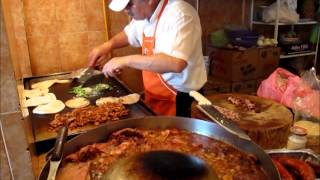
{"x":118,"y":41}
{"x":159,"y":63}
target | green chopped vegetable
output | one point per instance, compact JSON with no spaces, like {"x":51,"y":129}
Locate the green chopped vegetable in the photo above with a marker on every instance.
{"x":79,"y":91}
{"x":95,"y":90}
{"x":101,"y":87}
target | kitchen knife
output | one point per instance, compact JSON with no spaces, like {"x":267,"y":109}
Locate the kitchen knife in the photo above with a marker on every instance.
{"x":57,"y":153}
{"x":205,"y":106}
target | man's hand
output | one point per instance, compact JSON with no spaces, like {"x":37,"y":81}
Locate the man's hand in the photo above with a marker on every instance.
{"x":97,"y":55}
{"x":114,"y":66}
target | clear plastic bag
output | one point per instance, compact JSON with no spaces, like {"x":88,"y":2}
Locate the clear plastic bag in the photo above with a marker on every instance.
{"x":306,"y":103}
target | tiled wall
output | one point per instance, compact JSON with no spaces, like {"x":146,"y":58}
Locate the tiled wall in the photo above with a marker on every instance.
{"x":61,"y":33}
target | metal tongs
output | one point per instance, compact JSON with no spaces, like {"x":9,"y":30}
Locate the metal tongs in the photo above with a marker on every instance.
{"x":56,"y":156}
{"x":83,"y":75}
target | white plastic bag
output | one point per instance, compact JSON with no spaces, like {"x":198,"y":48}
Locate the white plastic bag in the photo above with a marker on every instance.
{"x":307,"y":101}
{"x":287,"y":13}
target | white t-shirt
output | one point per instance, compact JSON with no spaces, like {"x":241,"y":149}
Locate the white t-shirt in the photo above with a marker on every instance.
{"x":179,"y":35}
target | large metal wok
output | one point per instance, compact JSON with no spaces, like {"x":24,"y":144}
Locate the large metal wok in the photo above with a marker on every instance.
{"x":197,"y":126}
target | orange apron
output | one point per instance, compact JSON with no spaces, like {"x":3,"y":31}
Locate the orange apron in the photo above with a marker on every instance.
{"x":159,"y":95}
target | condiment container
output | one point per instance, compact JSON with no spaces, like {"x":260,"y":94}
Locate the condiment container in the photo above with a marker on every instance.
{"x":297,"y":138}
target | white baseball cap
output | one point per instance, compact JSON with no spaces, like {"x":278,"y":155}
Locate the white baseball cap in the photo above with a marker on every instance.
{"x":118,"y":5}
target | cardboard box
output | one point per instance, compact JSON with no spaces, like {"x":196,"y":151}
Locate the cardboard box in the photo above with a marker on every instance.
{"x":216,"y":85}
{"x":235,"y":65}
{"x":247,"y":87}
{"x":268,"y":61}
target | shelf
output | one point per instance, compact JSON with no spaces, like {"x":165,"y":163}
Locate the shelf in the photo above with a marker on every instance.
{"x":297,"y":55}
{"x":285,"y":24}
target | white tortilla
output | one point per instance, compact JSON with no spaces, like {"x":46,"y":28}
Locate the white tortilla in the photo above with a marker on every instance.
{"x":78,"y":102}
{"x":130,"y":99}
{"x":48,"y":83}
{"x":63,"y":81}
{"x":52,"y":107}
{"x":105,"y":100}
{"x":35,"y":92}
{"x":43,"y":84}
{"x":38,"y":100}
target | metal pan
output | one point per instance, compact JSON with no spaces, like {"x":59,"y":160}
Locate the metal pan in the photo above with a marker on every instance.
{"x":200,"y":127}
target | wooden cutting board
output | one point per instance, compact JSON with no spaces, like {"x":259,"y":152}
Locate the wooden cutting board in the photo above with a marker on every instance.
{"x":268,"y":124}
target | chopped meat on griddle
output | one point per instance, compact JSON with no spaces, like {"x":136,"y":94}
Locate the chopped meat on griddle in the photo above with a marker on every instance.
{"x":89,"y":115}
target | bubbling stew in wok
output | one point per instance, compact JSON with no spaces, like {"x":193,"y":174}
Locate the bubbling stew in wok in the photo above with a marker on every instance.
{"x":92,"y":161}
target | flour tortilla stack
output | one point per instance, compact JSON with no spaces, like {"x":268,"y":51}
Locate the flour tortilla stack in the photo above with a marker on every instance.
{"x":34,"y":92}
{"x":47,"y":84}
{"x":39,"y":100}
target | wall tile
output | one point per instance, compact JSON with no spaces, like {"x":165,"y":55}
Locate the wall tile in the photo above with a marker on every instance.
{"x":39,"y":10}
{"x":41,"y":28}
{"x":75,"y":26}
{"x":94,"y":15}
{"x":73,"y":50}
{"x":59,"y":30}
{"x":69,"y":10}
{"x":18,"y":19}
{"x":95,"y":38}
{"x":44,"y":54}
{"x":24,"y":59}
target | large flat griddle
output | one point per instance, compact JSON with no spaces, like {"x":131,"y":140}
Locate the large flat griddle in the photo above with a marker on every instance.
{"x":39,"y":123}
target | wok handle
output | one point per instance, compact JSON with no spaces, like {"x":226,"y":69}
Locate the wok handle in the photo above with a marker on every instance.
{"x":60,"y":140}
{"x":200,"y":98}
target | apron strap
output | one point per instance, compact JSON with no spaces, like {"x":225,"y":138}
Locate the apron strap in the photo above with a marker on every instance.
{"x":159,"y":15}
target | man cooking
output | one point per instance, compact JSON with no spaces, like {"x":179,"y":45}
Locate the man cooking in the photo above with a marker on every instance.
{"x":172,"y":64}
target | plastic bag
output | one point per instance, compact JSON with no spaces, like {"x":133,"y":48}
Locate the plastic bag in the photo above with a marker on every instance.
{"x":279,"y":86}
{"x":300,"y":94}
{"x":307,"y":100}
{"x":306,"y":108}
{"x":287,"y":13}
